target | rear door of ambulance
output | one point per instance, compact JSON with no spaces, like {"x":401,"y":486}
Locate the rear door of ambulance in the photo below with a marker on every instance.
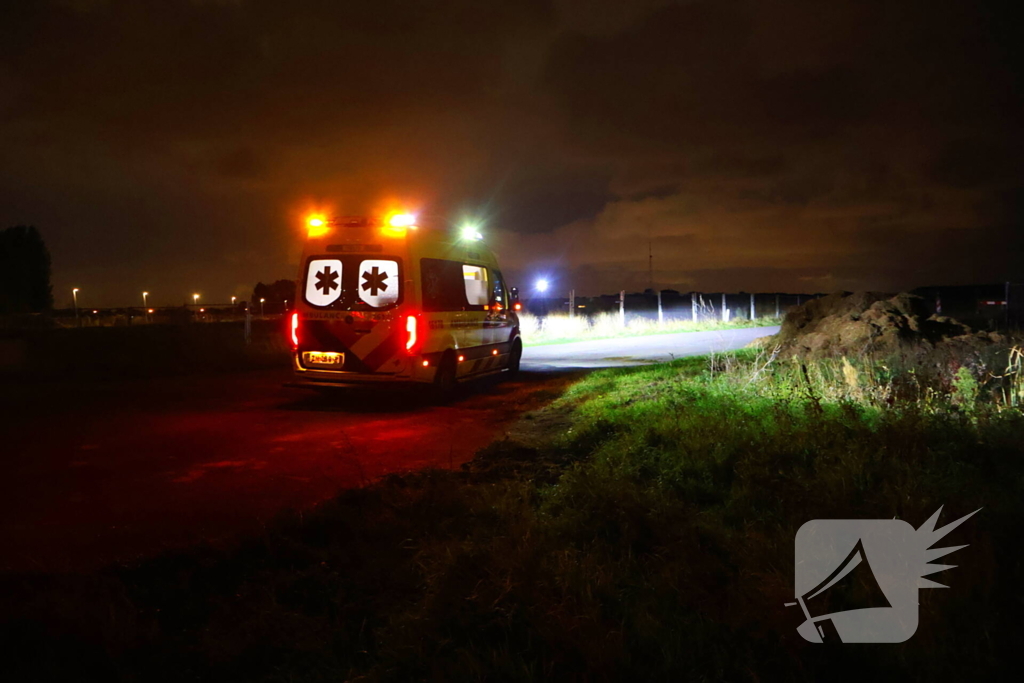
{"x":352,"y":293}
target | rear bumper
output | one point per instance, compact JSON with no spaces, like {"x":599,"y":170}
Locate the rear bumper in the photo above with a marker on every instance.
{"x":414,"y":373}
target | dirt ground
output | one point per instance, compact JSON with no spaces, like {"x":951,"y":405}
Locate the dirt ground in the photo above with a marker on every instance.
{"x":877,"y":326}
{"x":99,"y":472}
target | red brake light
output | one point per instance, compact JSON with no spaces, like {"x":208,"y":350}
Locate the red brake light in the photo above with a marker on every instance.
{"x":518,"y":306}
{"x":295,"y":329}
{"x":411,"y":330}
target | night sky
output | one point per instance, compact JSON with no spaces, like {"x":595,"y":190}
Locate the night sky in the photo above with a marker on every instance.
{"x":805,"y":146}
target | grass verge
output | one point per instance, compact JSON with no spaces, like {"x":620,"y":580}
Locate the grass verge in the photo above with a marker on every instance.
{"x":640,"y":527}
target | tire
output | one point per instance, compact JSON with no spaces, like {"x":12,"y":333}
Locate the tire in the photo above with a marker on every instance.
{"x":514,"y":359}
{"x":444,"y":379}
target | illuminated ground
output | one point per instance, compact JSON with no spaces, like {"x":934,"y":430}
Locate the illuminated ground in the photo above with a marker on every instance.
{"x":98,"y":472}
{"x":637,"y":350}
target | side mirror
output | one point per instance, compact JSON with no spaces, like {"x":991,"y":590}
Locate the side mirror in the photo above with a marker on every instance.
{"x":514,"y":297}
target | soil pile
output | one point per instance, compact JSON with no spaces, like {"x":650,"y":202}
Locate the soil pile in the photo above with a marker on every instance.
{"x":875,"y":325}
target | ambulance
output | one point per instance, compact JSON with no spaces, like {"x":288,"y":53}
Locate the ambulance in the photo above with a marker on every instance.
{"x":389,"y":300}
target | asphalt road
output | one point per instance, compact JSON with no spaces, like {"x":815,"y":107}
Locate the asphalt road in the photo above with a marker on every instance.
{"x":100,"y":472}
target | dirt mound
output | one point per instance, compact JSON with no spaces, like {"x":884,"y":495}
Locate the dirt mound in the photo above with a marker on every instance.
{"x":871,"y":324}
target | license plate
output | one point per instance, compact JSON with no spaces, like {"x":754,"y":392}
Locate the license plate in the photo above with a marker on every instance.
{"x":324,"y":358}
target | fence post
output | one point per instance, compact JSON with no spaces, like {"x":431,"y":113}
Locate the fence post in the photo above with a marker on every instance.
{"x":693,"y":306}
{"x":725,"y":308}
{"x":661,"y":313}
{"x":753,"y":311}
{"x":572,"y":304}
{"x":776,"y":305}
{"x":622,"y":308}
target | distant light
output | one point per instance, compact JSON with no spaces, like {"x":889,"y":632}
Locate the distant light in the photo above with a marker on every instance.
{"x":262,"y":300}
{"x":471,"y":232}
{"x":151,"y":310}
{"x":542,"y":285}
{"x":402,"y":220}
{"x":145,"y":294}
{"x":202,"y":310}
{"x":426,"y":363}
{"x":95,"y":311}
{"x":462,"y":358}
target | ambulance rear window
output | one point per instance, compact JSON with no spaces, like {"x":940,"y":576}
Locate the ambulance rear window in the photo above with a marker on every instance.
{"x":353,"y":283}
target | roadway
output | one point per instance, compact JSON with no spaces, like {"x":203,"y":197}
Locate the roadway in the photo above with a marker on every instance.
{"x":113,"y":471}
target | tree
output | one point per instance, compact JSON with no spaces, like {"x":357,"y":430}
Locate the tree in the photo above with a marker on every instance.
{"x":24,"y":271}
{"x":275,"y":294}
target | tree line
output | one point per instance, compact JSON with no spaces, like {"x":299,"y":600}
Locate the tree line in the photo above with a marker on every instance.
{"x":24,"y":272}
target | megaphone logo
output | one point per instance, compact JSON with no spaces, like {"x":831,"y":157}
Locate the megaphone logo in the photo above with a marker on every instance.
{"x":857,"y":579}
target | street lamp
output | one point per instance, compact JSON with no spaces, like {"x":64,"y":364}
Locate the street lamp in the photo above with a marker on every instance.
{"x":145,"y":306}
{"x":195,"y":299}
{"x":542,"y":285}
{"x":233,"y":300}
{"x":74,"y":294}
{"x":261,"y":307}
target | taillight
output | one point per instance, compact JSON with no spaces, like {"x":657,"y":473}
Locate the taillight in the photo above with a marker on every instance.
{"x":411,"y":333}
{"x":295,"y":329}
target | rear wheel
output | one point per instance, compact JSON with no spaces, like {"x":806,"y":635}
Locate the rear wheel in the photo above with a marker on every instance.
{"x":444,"y":380}
{"x":514,"y":358}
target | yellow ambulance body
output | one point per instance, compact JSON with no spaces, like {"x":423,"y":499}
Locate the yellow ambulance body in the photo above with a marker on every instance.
{"x":389,"y":301}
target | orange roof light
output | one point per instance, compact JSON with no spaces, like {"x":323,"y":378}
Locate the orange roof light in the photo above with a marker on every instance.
{"x":398,"y":225}
{"x":402,"y":220}
{"x":316,"y":226}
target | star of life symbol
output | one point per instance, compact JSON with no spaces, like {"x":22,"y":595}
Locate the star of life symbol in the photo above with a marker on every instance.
{"x":323,"y":282}
{"x":378,"y":282}
{"x":374,"y":281}
{"x":871,"y":569}
{"x":327,"y":280}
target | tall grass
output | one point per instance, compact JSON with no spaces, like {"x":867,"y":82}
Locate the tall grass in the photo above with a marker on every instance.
{"x":560,"y":328}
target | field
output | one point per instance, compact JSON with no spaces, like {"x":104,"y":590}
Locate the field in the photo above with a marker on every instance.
{"x":639,"y":527}
{"x":561,"y":329}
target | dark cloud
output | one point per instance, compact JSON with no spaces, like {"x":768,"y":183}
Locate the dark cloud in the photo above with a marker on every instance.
{"x":760,"y":144}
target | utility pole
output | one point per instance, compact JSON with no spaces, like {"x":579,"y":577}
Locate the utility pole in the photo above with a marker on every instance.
{"x":247,"y":330}
{"x":572,"y":303}
{"x":650,"y":262}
